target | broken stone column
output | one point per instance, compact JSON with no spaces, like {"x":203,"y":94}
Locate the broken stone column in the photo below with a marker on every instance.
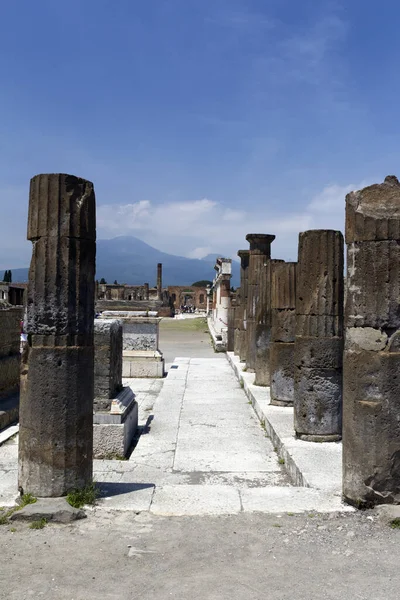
{"x":115,"y":417}
{"x":263,"y":326}
{"x":146,"y":291}
{"x":56,"y":405}
{"x":159,"y":281}
{"x":283,"y":330}
{"x":244,"y":292}
{"x":319,"y":336}
{"x":259,"y":254}
{"x":371,"y":364}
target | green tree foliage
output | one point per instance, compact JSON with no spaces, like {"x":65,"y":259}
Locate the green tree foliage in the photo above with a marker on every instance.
{"x":102,"y":280}
{"x":115,"y":282}
{"x":202,"y":283}
{"x":7,"y":277}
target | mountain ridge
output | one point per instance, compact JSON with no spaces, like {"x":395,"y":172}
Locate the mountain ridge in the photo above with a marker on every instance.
{"x":129,"y":260}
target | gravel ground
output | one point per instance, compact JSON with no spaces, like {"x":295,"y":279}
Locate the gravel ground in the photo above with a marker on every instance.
{"x":122,"y":556}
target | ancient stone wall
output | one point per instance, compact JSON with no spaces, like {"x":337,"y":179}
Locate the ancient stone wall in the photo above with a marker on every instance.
{"x":10,"y":329}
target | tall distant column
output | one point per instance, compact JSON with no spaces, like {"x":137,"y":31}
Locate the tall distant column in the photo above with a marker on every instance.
{"x":56,"y":405}
{"x":319,"y":336}
{"x":242,"y":313}
{"x":259,"y":254}
{"x":283,"y":328}
{"x":159,"y":281}
{"x":146,"y":291}
{"x":371,"y":363}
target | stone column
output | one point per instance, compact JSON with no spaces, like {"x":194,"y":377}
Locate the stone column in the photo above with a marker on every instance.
{"x":159,"y":281}
{"x":319,"y":336}
{"x":371,"y":367}
{"x":208,"y":292}
{"x":263,"y":325}
{"x":56,"y":405}
{"x":244,"y":292}
{"x":231,"y":324}
{"x":283,"y":327}
{"x":146,"y":291}
{"x":260,"y":253}
{"x":238,"y":319}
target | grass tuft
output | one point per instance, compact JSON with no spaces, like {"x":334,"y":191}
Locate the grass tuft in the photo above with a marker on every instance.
{"x":281,"y":461}
{"x":38,"y":524}
{"x":395,"y":523}
{"x":87,"y":495}
{"x":26,"y":499}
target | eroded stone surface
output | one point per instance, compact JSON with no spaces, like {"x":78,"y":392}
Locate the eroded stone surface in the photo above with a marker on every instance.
{"x":56,"y":410}
{"x":371,"y":384}
{"x":319,"y":341}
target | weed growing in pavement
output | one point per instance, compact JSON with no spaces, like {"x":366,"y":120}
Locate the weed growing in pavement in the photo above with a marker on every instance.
{"x":395,"y":523}
{"x":281,"y":461}
{"x":26,"y":499}
{"x":38,"y":524}
{"x":86,"y":495}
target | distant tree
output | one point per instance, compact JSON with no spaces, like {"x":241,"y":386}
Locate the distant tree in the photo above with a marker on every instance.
{"x":5,"y":278}
{"x":10,"y":276}
{"x":115,"y":282}
{"x":202,"y":283}
{"x":102,"y":280}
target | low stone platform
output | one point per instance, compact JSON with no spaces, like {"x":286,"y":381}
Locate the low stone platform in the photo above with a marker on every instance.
{"x":219,"y":341}
{"x":115,"y":430}
{"x":142,"y":363}
{"x":310,"y":464}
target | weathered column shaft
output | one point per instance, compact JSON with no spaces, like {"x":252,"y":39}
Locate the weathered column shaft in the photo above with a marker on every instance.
{"x":371,"y":367}
{"x":56,"y":405}
{"x":283,"y":331}
{"x":159,"y":281}
{"x":107,"y":362}
{"x":146,"y":291}
{"x":259,"y":254}
{"x":263,"y":326}
{"x":319,"y":336}
{"x":244,"y":292}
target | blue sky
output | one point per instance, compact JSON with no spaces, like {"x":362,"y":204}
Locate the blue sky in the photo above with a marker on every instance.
{"x":198,"y":121}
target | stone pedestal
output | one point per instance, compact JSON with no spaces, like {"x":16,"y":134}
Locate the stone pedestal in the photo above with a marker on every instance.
{"x":319,"y":336}
{"x":56,"y":407}
{"x":141,"y":356}
{"x":114,"y":431}
{"x":283,"y":330}
{"x":371,"y":367}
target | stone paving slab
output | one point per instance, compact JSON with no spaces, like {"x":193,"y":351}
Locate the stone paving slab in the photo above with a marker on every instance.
{"x":314,"y":465}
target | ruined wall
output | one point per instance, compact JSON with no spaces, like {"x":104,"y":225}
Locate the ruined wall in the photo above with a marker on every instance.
{"x":10,"y":319}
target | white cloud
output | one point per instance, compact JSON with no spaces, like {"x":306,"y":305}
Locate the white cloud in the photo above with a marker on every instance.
{"x":200,"y":227}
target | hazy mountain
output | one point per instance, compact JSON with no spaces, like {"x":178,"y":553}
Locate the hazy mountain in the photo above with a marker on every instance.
{"x":129,"y":260}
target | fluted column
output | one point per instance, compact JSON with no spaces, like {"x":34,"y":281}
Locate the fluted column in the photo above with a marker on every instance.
{"x":283,"y":328}
{"x":56,"y":405}
{"x":259,"y":254}
{"x":319,"y":336}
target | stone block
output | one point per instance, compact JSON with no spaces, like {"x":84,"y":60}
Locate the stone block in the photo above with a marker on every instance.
{"x":283,"y":325}
{"x":67,"y":308}
{"x":282,"y":373}
{"x":323,"y":326}
{"x":9,"y":374}
{"x":318,"y":353}
{"x":318,"y":404}
{"x":114,"y":432}
{"x":108,"y":362}
{"x":142,"y":363}
{"x":373,"y":213}
{"x":371,"y":436}
{"x":56,"y":439}
{"x":373,"y":284}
